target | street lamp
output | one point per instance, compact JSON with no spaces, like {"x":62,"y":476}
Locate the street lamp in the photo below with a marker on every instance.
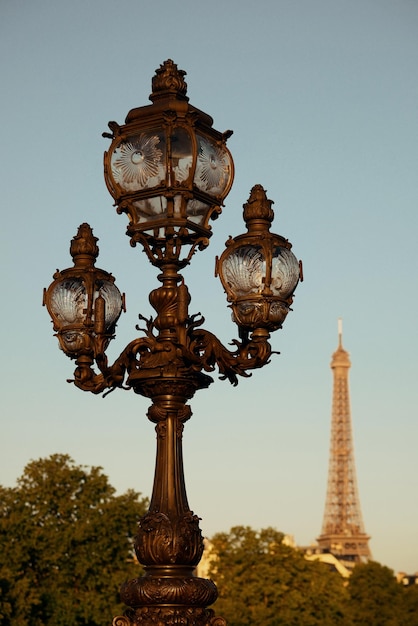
{"x":169,"y":171}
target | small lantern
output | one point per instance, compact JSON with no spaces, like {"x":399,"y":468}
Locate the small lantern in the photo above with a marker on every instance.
{"x":258,"y":270}
{"x":168,"y":169}
{"x":83,"y":301}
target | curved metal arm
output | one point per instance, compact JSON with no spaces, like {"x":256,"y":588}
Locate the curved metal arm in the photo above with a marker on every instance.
{"x":248,"y":355}
{"x":150,"y":357}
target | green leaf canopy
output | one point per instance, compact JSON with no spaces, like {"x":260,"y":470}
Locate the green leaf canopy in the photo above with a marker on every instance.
{"x":65,"y":545}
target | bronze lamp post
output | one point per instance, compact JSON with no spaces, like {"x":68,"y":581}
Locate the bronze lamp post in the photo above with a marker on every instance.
{"x":169,"y":171}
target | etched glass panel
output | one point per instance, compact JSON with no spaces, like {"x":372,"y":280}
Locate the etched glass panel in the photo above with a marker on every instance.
{"x":150,"y":209}
{"x":69,"y":302}
{"x":248,"y":313}
{"x":278,"y":311}
{"x":139,"y":162}
{"x":284,"y":272}
{"x":197,"y":211}
{"x":72,"y":341}
{"x":244,"y":271}
{"x":113,"y":302}
{"x":213,"y":168}
{"x":181,"y":155}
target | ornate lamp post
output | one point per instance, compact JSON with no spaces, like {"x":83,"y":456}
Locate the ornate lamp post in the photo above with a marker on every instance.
{"x":169,"y":170}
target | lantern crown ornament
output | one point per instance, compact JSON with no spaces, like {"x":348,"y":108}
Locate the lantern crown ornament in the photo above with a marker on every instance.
{"x":169,"y":81}
{"x":169,"y":170}
{"x":258,"y":270}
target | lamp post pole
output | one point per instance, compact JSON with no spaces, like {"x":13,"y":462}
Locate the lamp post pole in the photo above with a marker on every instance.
{"x":169,"y":170}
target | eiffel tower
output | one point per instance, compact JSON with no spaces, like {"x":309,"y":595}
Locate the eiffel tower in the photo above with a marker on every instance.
{"x":342,"y":532}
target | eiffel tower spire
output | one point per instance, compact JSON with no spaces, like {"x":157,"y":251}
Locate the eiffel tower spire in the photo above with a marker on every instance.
{"x":343,"y":533}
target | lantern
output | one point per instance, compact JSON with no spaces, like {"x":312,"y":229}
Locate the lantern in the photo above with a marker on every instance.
{"x":168,"y":169}
{"x":83,"y":301}
{"x":258,"y":270}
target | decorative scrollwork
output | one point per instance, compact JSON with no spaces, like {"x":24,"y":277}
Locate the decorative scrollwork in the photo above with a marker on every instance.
{"x":154,"y":590}
{"x":176,"y":616}
{"x":122,"y":620}
{"x":164,"y":540}
{"x":231,"y":364}
{"x":148,"y":363}
{"x":159,"y":253}
{"x":158,"y":413}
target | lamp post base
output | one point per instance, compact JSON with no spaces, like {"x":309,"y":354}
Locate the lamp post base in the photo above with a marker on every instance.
{"x":169,"y":615}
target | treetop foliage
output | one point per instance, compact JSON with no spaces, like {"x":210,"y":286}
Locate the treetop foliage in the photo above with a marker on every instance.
{"x":262,"y":581}
{"x":65,"y":545}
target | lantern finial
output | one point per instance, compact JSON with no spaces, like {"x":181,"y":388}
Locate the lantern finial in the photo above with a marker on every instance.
{"x":257,"y":209}
{"x":83,"y":246}
{"x":169,"y":80}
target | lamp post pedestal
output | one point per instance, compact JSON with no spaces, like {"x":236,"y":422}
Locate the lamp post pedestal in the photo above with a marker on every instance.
{"x":169,"y":542}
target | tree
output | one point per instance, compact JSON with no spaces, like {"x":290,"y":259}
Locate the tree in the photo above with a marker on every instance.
{"x":410,"y":605}
{"x":376,"y":596}
{"x":262,"y":581}
{"x":65,"y":545}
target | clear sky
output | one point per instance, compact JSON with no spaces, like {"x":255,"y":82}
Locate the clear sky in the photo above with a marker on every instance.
{"x":322,"y":97}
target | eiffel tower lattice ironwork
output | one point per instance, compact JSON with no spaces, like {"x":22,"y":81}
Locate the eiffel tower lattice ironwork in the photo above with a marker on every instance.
{"x":343,"y":533}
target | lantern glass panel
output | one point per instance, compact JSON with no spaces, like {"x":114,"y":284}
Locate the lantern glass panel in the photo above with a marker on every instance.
{"x":69,"y":302}
{"x":244,"y":271}
{"x":139,"y":161}
{"x":113,"y":301}
{"x":150,"y":209}
{"x":72,"y":341}
{"x":284,"y":272}
{"x":278,"y":311}
{"x":181,"y":156}
{"x":213,"y":168}
{"x":197,"y":211}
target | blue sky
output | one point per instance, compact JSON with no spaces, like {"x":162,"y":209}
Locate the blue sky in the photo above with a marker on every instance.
{"x":322,"y":97}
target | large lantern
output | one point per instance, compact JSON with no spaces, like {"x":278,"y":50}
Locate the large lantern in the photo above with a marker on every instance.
{"x":168,"y":169}
{"x":258,"y":270}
